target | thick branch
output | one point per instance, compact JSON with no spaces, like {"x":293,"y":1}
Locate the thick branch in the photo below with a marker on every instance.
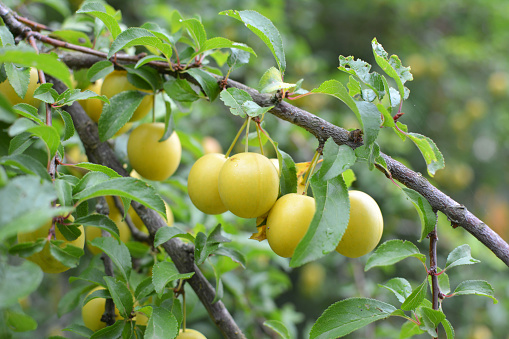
{"x":181,"y":254}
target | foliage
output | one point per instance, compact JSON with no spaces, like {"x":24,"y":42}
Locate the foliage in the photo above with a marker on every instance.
{"x":248,"y":278}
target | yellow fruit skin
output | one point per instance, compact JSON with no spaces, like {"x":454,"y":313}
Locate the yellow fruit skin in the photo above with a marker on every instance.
{"x":44,"y":258}
{"x":190,"y":334}
{"x":248,"y":184}
{"x":202,"y":183}
{"x":95,"y":232}
{"x":93,"y":107}
{"x":117,"y":82}
{"x":94,"y":310}
{"x":10,"y":94}
{"x":365,"y":226}
{"x":288,"y":222}
{"x":152,"y":159}
{"x":141,"y":226}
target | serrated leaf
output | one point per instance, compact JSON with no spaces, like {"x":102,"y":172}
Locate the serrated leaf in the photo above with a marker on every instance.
{"x":6,"y":37}
{"x":144,"y":288}
{"x":48,"y":63}
{"x":164,"y":273}
{"x":449,"y":330}
{"x":99,"y":70}
{"x":28,"y":111}
{"x":426,"y":214}
{"x":278,"y":327}
{"x":162,"y":324}
{"x":120,"y":110}
{"x":253,"y":110}
{"x":202,"y":248}
{"x":237,"y":58}
{"x":461,"y":255}
{"x":338,"y":90}
{"x":349,"y":315}
{"x":111,"y":332}
{"x":429,"y":150}
{"x":18,"y":282}
{"x":121,"y":295}
{"x":180,"y":90}
{"x":265,"y":30}
{"x":371,"y":121}
{"x":49,"y":135}
{"x":329,"y":222}
{"x":69,"y":255}
{"x":361,"y":69}
{"x":130,"y":188}
{"x":288,"y":177}
{"x":272,"y":81}
{"x":415,"y":299}
{"x":393,"y":251}
{"x":26,"y":249}
{"x":235,"y":98}
{"x":477,"y":287}
{"x":46,"y":93}
{"x":431,"y":318}
{"x":164,"y":234}
{"x":336,"y":159}
{"x":220,"y":42}
{"x":118,"y":253}
{"x":197,"y":32}
{"x":207,"y":82}
{"x":392,"y":66}
{"x":98,"y":10}
{"x":73,"y":37}
{"x":400,"y":287}
{"x":233,"y":254}
{"x":99,"y":221}
{"x":146,"y":78}
{"x":409,"y":329}
{"x":88,"y":180}
{"x":20,"y":143}
{"x":68,"y":124}
{"x":18,"y":77}
{"x":98,"y":168}
{"x":79,"y":330}
{"x":148,"y":59}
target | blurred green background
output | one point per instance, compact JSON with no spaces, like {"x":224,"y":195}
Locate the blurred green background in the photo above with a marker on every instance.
{"x":459,"y":97}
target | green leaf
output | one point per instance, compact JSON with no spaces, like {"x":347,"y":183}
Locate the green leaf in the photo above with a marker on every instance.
{"x":26,"y":164}
{"x":336,"y":159}
{"x":392,"y":66}
{"x":162,"y":324}
{"x":370,"y":120}
{"x":288,"y":178}
{"x":98,"y":10}
{"x":110,"y":332}
{"x":118,"y":253}
{"x":69,"y":255}
{"x":431,"y":318}
{"x":146,"y":78}
{"x":64,"y":192}
{"x":20,"y":143}
{"x":49,"y":135}
{"x":46,"y":93}
{"x":415,"y":299}
{"x":429,"y":150}
{"x":272,"y":81}
{"x":393,"y":251}
{"x":349,"y":315}
{"x":59,"y":6}
{"x":98,"y":168}
{"x":238,"y":58}
{"x":148,"y":59}
{"x":477,"y":287}
{"x":196,"y":31}
{"x":99,"y":221}
{"x":26,"y":249}
{"x":144,"y":288}
{"x":164,"y":273}
{"x":400,"y":287}
{"x":71,"y":299}
{"x":115,"y":115}
{"x":28,"y":111}
{"x":426,"y":214}
{"x":338,"y":90}
{"x":329,"y":222}
{"x":20,"y":322}
{"x":449,"y":330}
{"x":73,"y":37}
{"x":220,"y":42}
{"x":265,"y":30}
{"x":253,"y":110}
{"x":164,"y":234}
{"x":180,"y":90}
{"x":18,"y":282}
{"x":409,"y":329}
{"x":18,"y":77}
{"x":443,"y":282}
{"x":278,"y":327}
{"x":207,"y":82}
{"x":121,"y":295}
{"x":6,"y":37}
{"x":68,"y":124}
{"x":235,"y":98}
{"x":130,"y":188}
{"x":48,"y":63}
{"x":361,"y":69}
{"x":99,"y":70}
{"x":461,"y":255}
{"x":79,"y":330}
{"x":233,"y":254}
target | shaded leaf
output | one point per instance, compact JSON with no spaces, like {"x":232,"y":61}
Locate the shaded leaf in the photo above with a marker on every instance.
{"x":461,"y":255}
{"x":415,"y":299}
{"x":118,"y":253}
{"x":98,"y":10}
{"x":477,"y":287}
{"x":336,"y":159}
{"x":429,"y":150}
{"x":400,"y":287}
{"x":278,"y":327}
{"x":393,"y":251}
{"x":164,"y":273}
{"x":426,"y":214}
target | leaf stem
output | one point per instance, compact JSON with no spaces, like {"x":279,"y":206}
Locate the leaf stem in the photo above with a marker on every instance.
{"x":246,"y":148}
{"x":310,"y":170}
{"x":235,"y":140}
